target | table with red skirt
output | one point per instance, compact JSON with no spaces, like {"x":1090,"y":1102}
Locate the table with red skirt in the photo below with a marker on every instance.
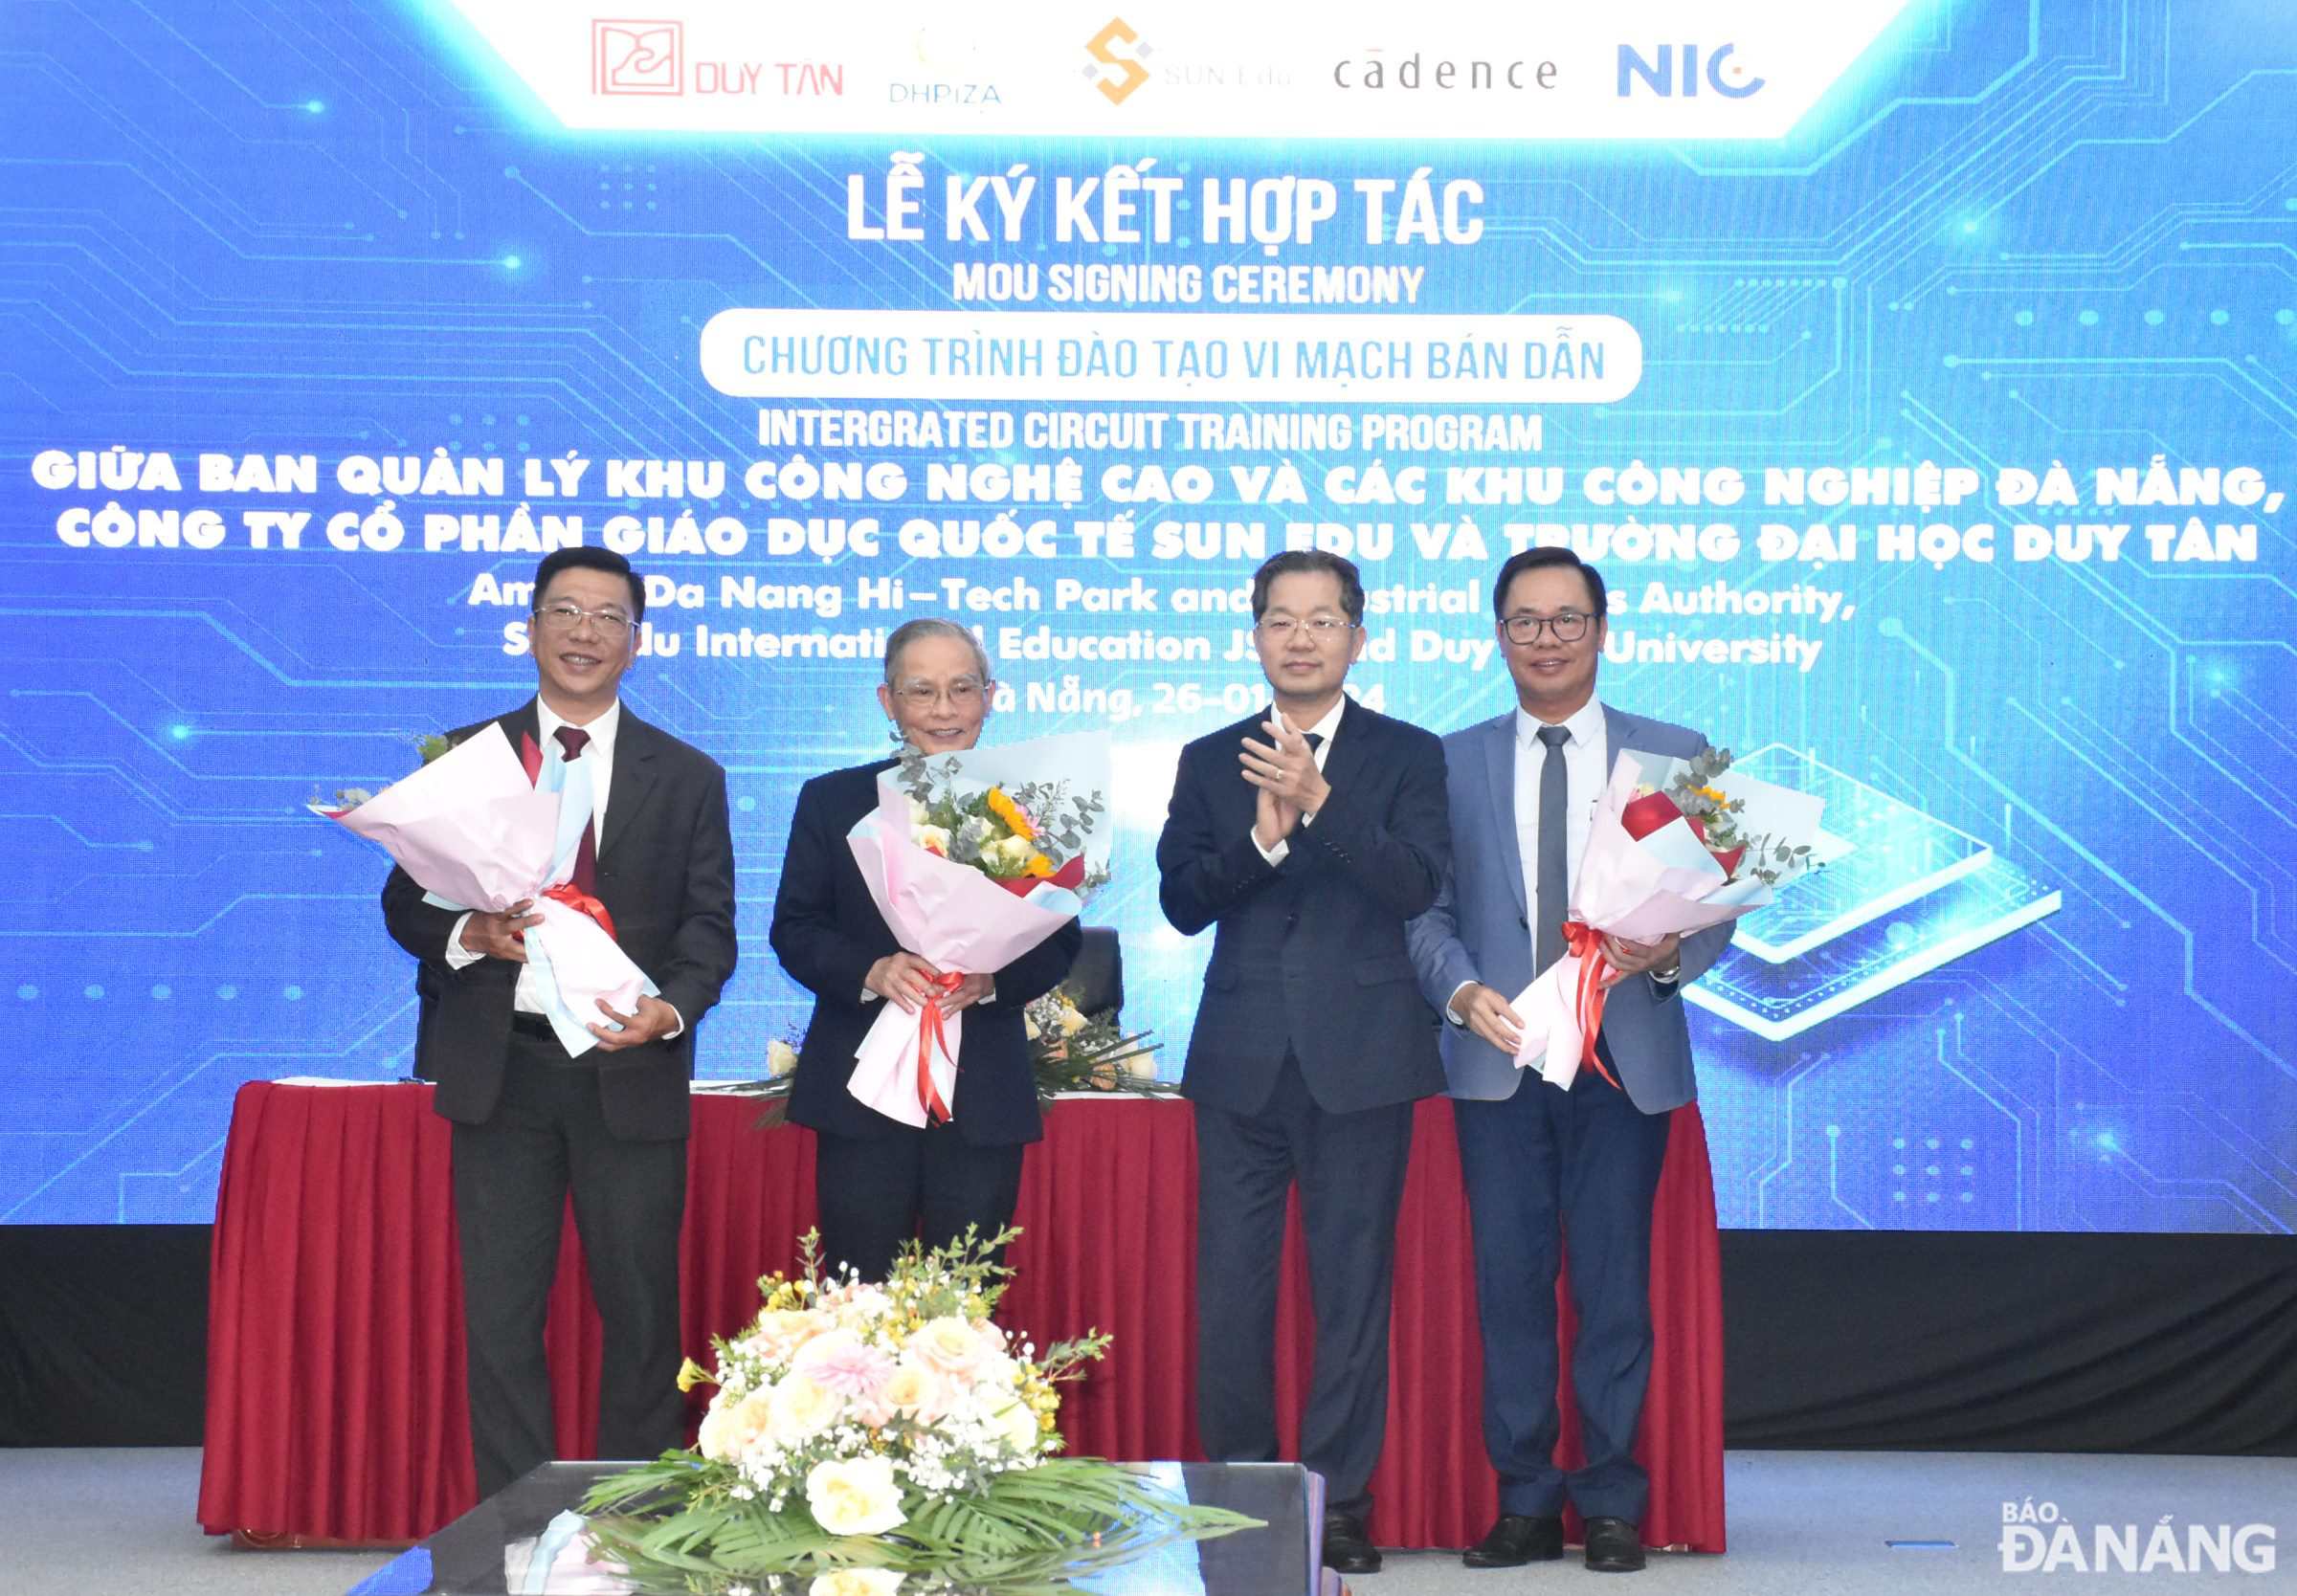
{"x":336,"y":1408}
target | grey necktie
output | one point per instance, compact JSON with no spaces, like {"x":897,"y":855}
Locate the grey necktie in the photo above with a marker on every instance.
{"x":1554,"y":875}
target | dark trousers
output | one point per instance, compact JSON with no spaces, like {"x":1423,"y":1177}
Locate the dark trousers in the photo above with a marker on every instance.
{"x":929,"y":1185}
{"x":547,"y":1136}
{"x":1350,"y":1169}
{"x":1541,"y":1166}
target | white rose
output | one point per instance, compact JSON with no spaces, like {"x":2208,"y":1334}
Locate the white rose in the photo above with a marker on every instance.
{"x":1016,"y":1423}
{"x":914,"y":1391}
{"x":1141,"y":1065}
{"x":856,"y":1582}
{"x":729,"y":1429}
{"x":856,"y":1497}
{"x":780,"y":1058}
{"x":803,"y":1410}
{"x":949,"y":1346}
{"x":933,"y":837}
{"x":1072,"y":1019}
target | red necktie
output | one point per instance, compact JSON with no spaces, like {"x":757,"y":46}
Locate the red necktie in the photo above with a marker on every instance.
{"x":574,"y":739}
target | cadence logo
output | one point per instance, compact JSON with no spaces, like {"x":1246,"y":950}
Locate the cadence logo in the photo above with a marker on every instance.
{"x":638,"y":56}
{"x":1130,"y":74}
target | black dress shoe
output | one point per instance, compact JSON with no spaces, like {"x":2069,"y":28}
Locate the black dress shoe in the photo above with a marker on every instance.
{"x":1515,"y":1541}
{"x":1612,"y":1546}
{"x":1348,"y":1547}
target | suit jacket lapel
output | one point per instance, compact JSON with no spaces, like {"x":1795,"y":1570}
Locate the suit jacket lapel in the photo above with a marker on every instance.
{"x":522,"y":725}
{"x":1349,"y":753}
{"x":1499,"y":760}
{"x":634,"y":772}
{"x":1620,"y":733}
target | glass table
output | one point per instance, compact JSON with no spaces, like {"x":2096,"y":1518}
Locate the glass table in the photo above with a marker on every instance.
{"x":527,"y":1539}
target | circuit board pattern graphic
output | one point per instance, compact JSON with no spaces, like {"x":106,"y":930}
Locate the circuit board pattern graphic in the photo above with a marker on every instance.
{"x":2043,"y":987}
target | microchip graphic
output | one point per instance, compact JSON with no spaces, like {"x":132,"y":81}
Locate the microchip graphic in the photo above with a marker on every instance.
{"x":1900,"y":895}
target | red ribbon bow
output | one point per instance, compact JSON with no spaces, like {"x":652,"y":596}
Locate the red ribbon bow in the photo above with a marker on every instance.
{"x":1586,"y":942}
{"x":931,"y":1036}
{"x":581,"y":902}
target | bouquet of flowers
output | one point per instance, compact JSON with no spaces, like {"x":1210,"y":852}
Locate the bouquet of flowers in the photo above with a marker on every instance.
{"x":1676,"y":846}
{"x":973,"y":858}
{"x":475,"y":832}
{"x":1072,"y":1050}
{"x":890,"y":1430}
{"x":1069,"y":1051}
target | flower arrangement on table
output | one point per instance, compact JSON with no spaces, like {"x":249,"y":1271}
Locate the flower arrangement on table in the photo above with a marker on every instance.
{"x":860,"y":1433}
{"x":1676,"y":846}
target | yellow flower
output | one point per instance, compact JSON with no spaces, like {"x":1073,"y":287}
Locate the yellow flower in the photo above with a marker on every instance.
{"x":1072,"y":1018}
{"x":1037,"y":865}
{"x":858,"y":1497}
{"x":1710,"y":793}
{"x":691,"y":1374}
{"x":1009,"y":813}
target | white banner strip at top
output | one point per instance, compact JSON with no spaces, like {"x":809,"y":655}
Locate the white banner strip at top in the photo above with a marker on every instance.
{"x":1119,"y":357}
{"x":1347,"y":68}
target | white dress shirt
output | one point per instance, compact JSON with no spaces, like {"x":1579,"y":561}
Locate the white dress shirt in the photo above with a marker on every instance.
{"x":1586,"y":772}
{"x":599,"y":755}
{"x":1327,"y":728}
{"x":1586,"y":768}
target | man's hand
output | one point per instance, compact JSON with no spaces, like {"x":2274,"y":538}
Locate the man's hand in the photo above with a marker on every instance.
{"x":500,"y":936}
{"x":970,"y":989}
{"x":1284,"y":767}
{"x":1628,"y":958}
{"x":902,"y":978}
{"x":1486,"y":1014}
{"x":653,"y":1018}
{"x":1272,"y":820}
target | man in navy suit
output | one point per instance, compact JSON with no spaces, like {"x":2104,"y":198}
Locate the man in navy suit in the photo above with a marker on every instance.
{"x":1539,"y":1163}
{"x":1309,"y":836}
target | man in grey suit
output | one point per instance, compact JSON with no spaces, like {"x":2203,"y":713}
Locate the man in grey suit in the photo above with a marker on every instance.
{"x":1539,"y":1163}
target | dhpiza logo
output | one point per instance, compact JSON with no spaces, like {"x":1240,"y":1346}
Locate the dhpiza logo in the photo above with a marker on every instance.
{"x":2037,"y":1539}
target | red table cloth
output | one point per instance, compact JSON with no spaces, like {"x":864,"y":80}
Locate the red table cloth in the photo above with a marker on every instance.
{"x":335,"y":1373}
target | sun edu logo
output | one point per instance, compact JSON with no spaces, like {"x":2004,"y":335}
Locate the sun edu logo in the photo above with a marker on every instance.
{"x":1130,"y":74}
{"x":638,"y":56}
{"x":1725,"y":76}
{"x":2035,"y":1542}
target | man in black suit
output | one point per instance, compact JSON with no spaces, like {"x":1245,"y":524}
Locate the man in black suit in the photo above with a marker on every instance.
{"x":879,"y":1181}
{"x":532,"y":1123}
{"x":1309,"y":836}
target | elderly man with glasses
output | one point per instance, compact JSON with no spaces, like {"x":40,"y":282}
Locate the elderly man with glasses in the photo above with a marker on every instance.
{"x":879,"y":1181}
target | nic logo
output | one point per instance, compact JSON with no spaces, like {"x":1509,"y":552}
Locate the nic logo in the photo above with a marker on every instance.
{"x":637,"y":58}
{"x":1130,"y":73}
{"x":1724,"y":76}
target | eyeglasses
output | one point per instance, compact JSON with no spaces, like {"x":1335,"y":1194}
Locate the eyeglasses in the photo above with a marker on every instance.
{"x":565,"y":617}
{"x":1568,"y":625}
{"x":1321,"y":628}
{"x":962,"y":694}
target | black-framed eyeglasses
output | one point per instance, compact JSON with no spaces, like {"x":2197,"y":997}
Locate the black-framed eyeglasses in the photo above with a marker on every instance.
{"x":1568,"y":625}
{"x":565,"y":617}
